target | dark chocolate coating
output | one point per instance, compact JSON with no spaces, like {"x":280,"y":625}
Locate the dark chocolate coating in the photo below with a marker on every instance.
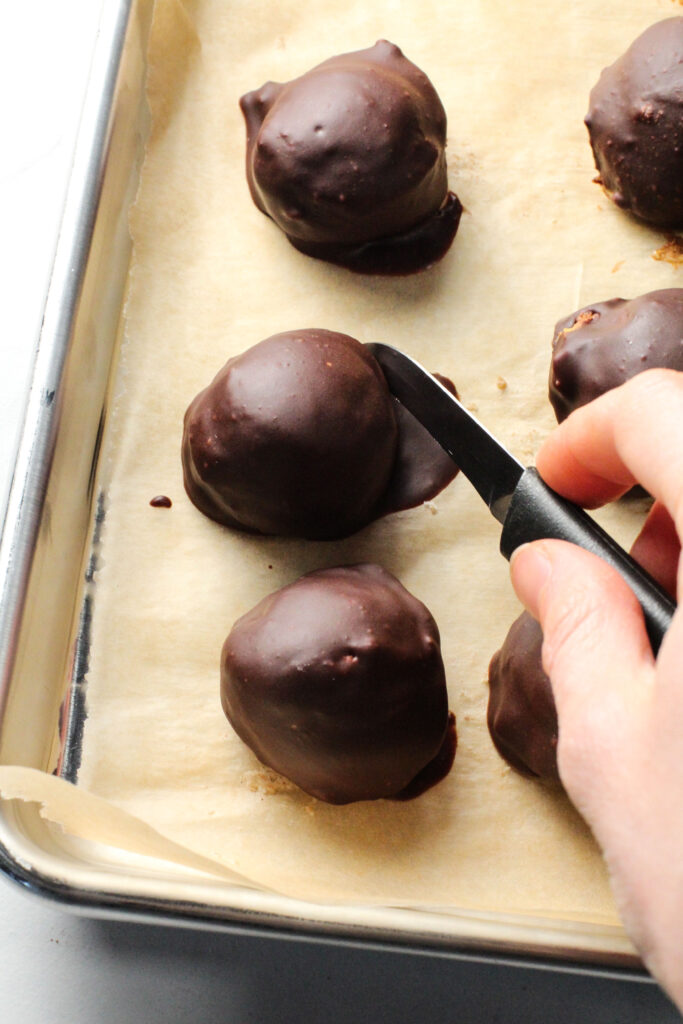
{"x":337,"y":682}
{"x":352,"y":154}
{"x":635,"y":124}
{"x":521,"y":715}
{"x":299,"y":436}
{"x":603,"y":345}
{"x":296,"y":436}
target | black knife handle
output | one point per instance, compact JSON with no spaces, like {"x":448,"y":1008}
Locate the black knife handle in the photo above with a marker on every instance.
{"x":536,"y":512}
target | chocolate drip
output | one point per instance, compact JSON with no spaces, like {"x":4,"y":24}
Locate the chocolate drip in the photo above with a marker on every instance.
{"x":437,"y":769}
{"x":406,"y":253}
{"x":299,"y":436}
{"x":421,"y":468}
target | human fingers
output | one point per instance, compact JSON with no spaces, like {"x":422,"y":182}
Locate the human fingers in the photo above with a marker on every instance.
{"x":598,"y":657}
{"x":620,"y":717}
{"x":657,"y":547}
{"x":630,"y":434}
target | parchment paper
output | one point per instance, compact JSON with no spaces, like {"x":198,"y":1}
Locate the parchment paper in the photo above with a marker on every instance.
{"x":212,"y":276}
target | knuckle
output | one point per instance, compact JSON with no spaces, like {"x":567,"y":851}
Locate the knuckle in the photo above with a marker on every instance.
{"x":575,"y":621}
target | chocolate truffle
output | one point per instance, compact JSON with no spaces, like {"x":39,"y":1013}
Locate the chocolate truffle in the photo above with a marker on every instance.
{"x":603,"y":345}
{"x":521,"y":716}
{"x":337,"y":682}
{"x":635,"y":124}
{"x":299,"y":436}
{"x":349,"y":161}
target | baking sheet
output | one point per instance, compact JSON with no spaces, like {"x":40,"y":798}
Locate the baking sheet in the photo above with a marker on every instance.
{"x":211,"y":276}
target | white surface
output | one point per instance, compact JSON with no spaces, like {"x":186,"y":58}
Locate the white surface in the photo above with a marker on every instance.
{"x":56,"y":967}
{"x":45,"y":50}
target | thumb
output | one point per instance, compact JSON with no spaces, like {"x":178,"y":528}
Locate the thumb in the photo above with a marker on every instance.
{"x":597,"y":655}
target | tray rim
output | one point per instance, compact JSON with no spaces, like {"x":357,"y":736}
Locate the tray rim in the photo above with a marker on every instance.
{"x":17,"y":542}
{"x":30,"y":472}
{"x":102,"y":893}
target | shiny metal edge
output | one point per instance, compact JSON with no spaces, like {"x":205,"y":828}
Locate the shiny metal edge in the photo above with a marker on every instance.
{"x":109,"y":893}
{"x":37,"y":440}
{"x":201,"y":916}
{"x":206,"y":903}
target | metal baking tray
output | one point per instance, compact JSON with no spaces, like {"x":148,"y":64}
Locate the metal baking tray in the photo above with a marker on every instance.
{"x":47,"y":551}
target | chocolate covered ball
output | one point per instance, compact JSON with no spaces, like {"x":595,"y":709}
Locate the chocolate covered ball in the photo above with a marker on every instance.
{"x":299,"y":436}
{"x":296,"y":436}
{"x":635,"y":124}
{"x":337,"y":682}
{"x":521,"y":715}
{"x":601,"y":346}
{"x":349,"y":161}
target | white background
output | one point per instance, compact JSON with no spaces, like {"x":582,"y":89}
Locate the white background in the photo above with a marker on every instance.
{"x":56,"y":967}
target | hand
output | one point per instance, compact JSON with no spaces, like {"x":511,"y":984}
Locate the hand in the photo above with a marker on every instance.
{"x":620,"y":711}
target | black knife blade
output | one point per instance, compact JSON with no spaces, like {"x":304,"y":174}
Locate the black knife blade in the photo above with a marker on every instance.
{"x":492,"y":470}
{"x":517,"y":497}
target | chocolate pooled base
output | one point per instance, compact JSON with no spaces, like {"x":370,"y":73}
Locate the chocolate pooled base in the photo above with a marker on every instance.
{"x":299,"y":436}
{"x":349,"y":161}
{"x":602,"y":346}
{"x":635,"y":124}
{"x":337,"y":682}
{"x":521,"y":714}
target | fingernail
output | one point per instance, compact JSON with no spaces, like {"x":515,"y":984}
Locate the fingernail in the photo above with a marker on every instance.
{"x":530,"y":570}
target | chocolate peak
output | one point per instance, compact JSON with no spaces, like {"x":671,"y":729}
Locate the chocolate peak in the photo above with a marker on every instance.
{"x":349,"y":161}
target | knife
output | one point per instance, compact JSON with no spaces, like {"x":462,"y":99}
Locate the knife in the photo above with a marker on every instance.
{"x":517,"y":496}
